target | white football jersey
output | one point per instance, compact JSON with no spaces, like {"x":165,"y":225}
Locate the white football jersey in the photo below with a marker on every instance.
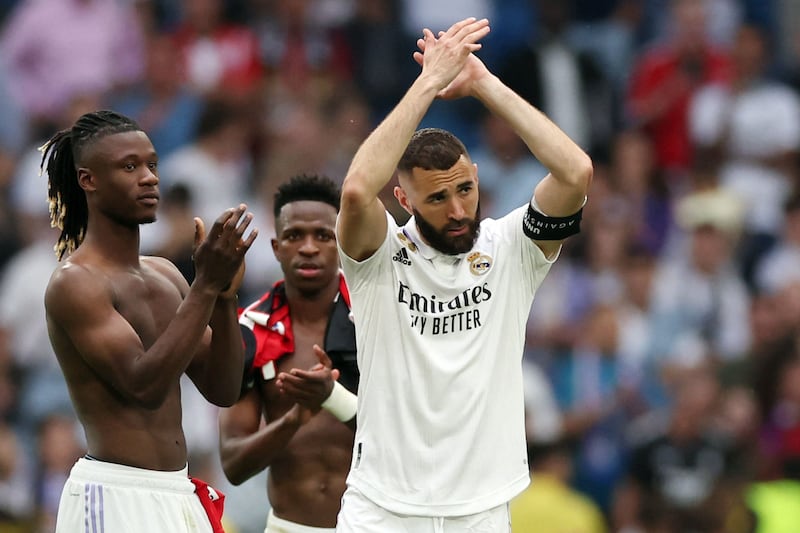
{"x":440,"y":339}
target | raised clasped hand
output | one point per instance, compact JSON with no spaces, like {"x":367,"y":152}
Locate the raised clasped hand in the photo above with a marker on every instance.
{"x":449,"y":56}
{"x":219,"y":256}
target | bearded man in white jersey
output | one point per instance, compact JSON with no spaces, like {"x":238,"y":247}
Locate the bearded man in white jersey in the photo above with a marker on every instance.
{"x":441,"y":303}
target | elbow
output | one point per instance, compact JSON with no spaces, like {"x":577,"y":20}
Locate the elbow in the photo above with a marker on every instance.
{"x":227,"y":400}
{"x":224,"y":398}
{"x":354,"y":191}
{"x":582,"y":173}
{"x":231,"y":469}
{"x":235,"y":477}
{"x":145,"y":393}
{"x":149,"y":399}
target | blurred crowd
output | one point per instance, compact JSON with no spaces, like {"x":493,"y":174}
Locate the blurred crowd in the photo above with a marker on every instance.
{"x":662,"y":362}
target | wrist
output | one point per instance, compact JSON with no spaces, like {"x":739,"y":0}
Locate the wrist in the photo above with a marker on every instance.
{"x":341,"y":403}
{"x":484,"y":87}
{"x":426,"y":85}
{"x":203,"y":289}
{"x":228,"y":299}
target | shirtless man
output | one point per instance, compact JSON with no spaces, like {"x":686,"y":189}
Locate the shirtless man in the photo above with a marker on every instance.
{"x":307,"y":439}
{"x":125,"y":328}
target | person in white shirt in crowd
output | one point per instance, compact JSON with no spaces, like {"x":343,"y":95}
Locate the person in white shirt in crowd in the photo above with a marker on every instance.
{"x":750,"y":128}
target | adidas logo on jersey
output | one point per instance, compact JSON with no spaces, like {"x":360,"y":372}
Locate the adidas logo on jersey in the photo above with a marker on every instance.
{"x":402,"y":257}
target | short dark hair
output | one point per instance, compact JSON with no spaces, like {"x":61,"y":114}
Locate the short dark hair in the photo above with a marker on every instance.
{"x":431,"y":149}
{"x":61,"y":156}
{"x":310,"y":187}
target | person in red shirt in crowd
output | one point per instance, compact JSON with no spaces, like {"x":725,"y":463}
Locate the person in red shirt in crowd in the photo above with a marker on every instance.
{"x":221,"y":59}
{"x":665,"y":78}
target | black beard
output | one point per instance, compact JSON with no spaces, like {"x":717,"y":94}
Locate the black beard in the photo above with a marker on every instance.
{"x":439,"y":239}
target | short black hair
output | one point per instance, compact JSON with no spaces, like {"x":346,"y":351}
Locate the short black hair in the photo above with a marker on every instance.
{"x":431,"y":149}
{"x":61,"y":156}
{"x":310,"y":187}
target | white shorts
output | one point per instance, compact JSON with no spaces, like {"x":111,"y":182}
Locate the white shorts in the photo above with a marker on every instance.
{"x":279,"y":525}
{"x":361,"y":515}
{"x":102,"y":497}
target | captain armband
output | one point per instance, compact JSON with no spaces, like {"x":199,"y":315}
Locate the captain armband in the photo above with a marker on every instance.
{"x":341,"y":403}
{"x":541,"y":227}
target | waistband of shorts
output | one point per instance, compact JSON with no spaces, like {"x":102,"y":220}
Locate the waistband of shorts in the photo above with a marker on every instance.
{"x":293,"y":526}
{"x":94,"y":471}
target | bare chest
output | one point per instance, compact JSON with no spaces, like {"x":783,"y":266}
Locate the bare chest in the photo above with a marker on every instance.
{"x":148,"y":301}
{"x":303,"y":357}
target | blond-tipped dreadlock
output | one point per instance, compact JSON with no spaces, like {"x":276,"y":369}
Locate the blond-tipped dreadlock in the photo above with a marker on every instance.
{"x":61,"y":156}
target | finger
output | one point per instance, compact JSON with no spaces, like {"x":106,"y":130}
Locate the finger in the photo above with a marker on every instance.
{"x":238,"y":231}
{"x":232,"y":223}
{"x":474,"y":32}
{"x":249,"y":241}
{"x":243,"y":224}
{"x":315,"y":394}
{"x":469,"y":30}
{"x":322,"y":356}
{"x":298,"y":376}
{"x":427,"y":36}
{"x":335,"y":374}
{"x":199,"y":231}
{"x":459,"y":26}
{"x":219,"y":224}
{"x":227,"y":235}
{"x":222,"y":218}
{"x":419,"y":58}
{"x":299,"y":395}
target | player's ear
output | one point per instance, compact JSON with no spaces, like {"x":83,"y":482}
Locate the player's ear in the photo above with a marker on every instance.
{"x":402,"y":198}
{"x":86,"y":179}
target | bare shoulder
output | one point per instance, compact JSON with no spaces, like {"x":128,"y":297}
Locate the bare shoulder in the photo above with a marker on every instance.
{"x":75,"y":280}
{"x":167,"y":269}
{"x":74,"y":286}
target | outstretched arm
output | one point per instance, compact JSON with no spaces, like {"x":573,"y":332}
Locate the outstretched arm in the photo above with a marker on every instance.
{"x":562,"y":192}
{"x":362,"y":220}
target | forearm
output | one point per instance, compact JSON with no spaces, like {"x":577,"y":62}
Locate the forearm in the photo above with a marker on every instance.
{"x":244,"y":457}
{"x":152,"y":374}
{"x":222,"y":380}
{"x":565,"y":160}
{"x":376,"y":159}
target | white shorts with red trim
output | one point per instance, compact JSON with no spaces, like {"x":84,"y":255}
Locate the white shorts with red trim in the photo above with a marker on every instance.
{"x":101,"y":497}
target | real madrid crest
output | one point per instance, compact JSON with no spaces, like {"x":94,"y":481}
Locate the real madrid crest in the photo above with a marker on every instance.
{"x":479,"y":263}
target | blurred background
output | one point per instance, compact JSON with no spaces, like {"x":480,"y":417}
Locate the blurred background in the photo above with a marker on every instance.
{"x":662,"y":363}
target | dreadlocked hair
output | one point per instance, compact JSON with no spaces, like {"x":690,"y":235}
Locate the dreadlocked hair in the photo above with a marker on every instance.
{"x":61,"y":156}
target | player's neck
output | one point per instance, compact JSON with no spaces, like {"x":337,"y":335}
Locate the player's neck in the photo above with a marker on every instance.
{"x":308,"y":308}
{"x":117,"y":244}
